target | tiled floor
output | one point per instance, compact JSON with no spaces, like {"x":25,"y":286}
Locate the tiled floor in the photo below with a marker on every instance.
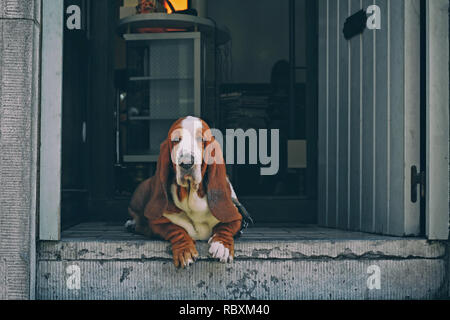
{"x":114,"y":231}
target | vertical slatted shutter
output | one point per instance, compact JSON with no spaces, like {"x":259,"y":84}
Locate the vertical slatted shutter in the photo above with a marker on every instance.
{"x":437,"y":79}
{"x":369,"y":118}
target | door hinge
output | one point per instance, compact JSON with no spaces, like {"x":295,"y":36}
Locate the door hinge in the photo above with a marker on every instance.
{"x":417,"y":179}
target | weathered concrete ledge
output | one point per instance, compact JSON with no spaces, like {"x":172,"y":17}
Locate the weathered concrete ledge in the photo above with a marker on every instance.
{"x":298,"y":269}
{"x":277,"y":250}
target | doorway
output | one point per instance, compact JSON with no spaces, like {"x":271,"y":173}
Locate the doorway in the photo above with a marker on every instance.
{"x":263,"y":86}
{"x":353,"y":135}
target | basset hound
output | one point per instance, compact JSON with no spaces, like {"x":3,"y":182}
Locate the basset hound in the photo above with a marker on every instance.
{"x":190,"y":197}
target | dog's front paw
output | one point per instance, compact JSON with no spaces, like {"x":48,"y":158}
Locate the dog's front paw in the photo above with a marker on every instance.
{"x":184,"y":256}
{"x":224,"y":251}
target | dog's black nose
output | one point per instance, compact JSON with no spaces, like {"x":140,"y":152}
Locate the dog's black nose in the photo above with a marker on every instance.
{"x":186,"y":162}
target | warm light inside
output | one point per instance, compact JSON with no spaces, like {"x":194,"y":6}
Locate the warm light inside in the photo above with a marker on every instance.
{"x":178,"y":5}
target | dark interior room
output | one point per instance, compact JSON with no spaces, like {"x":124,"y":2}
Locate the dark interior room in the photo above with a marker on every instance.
{"x":257,"y":69}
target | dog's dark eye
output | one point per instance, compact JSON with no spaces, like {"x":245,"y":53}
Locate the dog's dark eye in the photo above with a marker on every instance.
{"x":176,"y":139}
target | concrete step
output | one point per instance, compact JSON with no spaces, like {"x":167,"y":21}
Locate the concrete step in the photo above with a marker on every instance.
{"x":315,"y":267}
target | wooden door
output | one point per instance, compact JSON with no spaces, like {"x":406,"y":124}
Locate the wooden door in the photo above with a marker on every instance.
{"x":369,"y":118}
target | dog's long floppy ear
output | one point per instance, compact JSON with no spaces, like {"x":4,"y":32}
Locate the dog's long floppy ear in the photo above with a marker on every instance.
{"x":158,"y":202}
{"x":217,"y":187}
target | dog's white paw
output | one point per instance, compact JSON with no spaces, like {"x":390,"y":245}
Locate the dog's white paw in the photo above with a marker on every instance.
{"x":189,"y":262}
{"x":219,"y":251}
{"x":130,"y":225}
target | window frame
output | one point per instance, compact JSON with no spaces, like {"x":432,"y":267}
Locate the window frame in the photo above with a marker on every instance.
{"x":437,"y":208}
{"x":51,"y":119}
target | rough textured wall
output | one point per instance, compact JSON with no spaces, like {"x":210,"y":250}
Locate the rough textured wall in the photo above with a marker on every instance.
{"x":19,"y":94}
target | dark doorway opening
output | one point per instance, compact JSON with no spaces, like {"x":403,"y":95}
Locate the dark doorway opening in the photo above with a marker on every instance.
{"x":265,"y":78}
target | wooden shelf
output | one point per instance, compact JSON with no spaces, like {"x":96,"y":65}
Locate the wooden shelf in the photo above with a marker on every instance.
{"x":150,"y":118}
{"x":140,"y":158}
{"x":159,"y":79}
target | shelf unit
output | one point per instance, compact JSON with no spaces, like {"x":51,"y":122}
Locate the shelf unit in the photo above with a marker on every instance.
{"x":164,"y":84}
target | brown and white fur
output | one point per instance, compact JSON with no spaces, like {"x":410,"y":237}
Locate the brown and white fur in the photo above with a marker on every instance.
{"x":190,"y":197}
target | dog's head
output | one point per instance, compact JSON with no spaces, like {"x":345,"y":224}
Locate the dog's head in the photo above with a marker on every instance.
{"x":192,"y":157}
{"x":187,"y":140}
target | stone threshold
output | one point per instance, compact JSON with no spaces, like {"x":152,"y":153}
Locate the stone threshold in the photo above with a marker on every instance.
{"x":102,"y":241}
{"x":306,"y":263}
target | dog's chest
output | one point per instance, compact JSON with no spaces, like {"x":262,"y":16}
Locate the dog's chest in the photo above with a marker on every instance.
{"x":195,"y":218}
